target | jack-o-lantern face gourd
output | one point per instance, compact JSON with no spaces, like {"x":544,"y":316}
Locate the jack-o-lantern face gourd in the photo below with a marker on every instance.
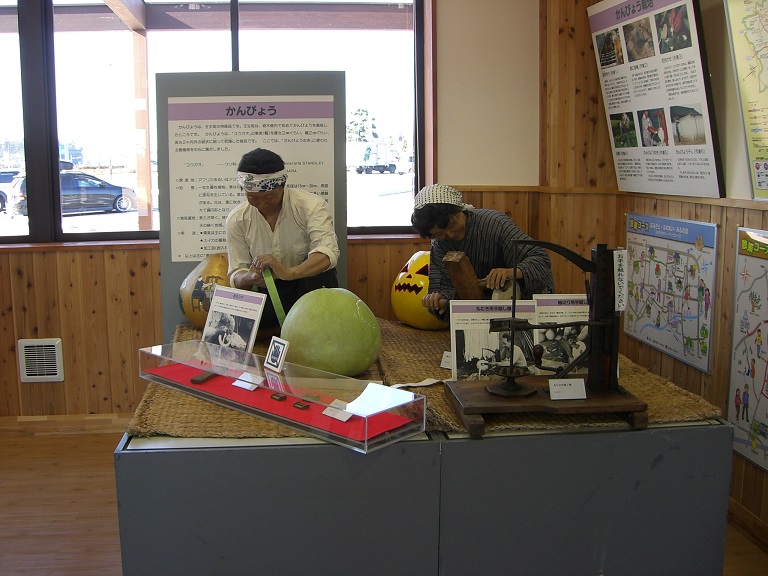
{"x":411,"y":285}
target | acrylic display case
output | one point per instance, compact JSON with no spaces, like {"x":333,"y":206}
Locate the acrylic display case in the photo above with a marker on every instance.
{"x":357,"y":414}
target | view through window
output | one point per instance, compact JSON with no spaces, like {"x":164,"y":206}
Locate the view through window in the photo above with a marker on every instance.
{"x":101,"y":66}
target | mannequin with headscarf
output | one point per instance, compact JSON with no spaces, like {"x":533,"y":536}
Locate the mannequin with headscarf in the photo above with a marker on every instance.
{"x":485,"y":237}
{"x":285,"y":229}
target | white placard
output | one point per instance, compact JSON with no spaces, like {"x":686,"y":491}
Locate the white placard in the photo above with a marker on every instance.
{"x":377,"y":398}
{"x":567,"y":389}
{"x":211,"y":133}
{"x":233,"y":318}
{"x":620,"y":279}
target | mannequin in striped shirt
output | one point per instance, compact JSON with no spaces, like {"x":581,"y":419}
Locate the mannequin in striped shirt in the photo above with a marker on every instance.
{"x":485,"y":237}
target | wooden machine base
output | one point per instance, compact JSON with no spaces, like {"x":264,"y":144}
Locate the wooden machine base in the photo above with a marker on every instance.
{"x":470,"y":400}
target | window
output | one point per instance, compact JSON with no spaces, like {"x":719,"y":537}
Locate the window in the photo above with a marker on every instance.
{"x":11,"y":122}
{"x":101,"y":122}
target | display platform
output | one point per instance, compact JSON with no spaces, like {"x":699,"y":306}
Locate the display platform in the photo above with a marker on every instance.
{"x":652,"y":501}
{"x":203,"y":489}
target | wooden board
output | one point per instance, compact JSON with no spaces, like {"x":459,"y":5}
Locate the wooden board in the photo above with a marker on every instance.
{"x":471,"y":401}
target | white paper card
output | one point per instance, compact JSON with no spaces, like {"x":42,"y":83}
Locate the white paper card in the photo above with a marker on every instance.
{"x":337,"y":411}
{"x":248,"y":381}
{"x":446,"y":361}
{"x":376,"y":398}
{"x":567,"y":389}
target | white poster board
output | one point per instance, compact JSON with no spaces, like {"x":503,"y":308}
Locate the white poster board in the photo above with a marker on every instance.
{"x":656,"y":95}
{"x":748,"y":395}
{"x":208,"y":135}
{"x":671,"y":281}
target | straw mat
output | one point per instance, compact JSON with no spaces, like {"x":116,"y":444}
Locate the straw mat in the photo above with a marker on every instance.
{"x":407,"y":356}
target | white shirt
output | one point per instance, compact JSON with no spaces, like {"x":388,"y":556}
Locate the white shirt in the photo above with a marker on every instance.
{"x":304,"y":226}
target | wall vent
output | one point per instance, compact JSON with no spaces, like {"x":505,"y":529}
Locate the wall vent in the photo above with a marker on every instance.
{"x":40,"y":360}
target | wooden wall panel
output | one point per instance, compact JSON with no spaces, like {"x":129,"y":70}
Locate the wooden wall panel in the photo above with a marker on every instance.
{"x":95,"y":322}
{"x":70,"y":283}
{"x":102,"y":303}
{"x":10,"y":400}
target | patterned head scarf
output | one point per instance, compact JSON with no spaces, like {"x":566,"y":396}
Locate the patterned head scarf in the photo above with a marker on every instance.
{"x":261,"y":182}
{"x":440,"y":194}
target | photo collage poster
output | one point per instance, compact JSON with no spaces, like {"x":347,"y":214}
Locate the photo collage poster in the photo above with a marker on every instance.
{"x":657,"y":100}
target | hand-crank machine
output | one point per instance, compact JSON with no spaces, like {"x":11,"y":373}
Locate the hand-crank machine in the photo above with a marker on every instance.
{"x":518,"y":390}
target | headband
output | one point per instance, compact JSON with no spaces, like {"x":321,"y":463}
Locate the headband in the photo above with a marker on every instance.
{"x":261,"y":182}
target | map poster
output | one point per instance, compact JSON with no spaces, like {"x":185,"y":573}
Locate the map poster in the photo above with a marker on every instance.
{"x":671,"y":280}
{"x":656,"y":95}
{"x":748,"y":397}
{"x":747,"y":22}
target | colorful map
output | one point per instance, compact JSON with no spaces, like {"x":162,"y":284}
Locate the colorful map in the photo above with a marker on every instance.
{"x":748,"y":22}
{"x":748,"y":397}
{"x":671,"y":270}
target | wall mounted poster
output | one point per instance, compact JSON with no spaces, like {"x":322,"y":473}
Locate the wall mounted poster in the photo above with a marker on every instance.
{"x":748,"y":397}
{"x":671,"y":269}
{"x":210,"y":134}
{"x":654,"y":85}
{"x":747,"y":22}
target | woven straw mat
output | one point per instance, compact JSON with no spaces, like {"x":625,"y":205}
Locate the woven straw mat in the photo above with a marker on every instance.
{"x":408,"y":355}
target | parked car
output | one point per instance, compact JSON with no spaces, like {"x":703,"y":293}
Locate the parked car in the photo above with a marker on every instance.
{"x":80,"y":192}
{"x":6,"y":177}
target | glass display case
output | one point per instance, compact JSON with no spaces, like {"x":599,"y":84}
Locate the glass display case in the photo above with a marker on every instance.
{"x":357,"y":414}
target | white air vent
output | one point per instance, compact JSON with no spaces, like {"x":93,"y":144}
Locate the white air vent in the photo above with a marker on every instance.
{"x":40,"y":360}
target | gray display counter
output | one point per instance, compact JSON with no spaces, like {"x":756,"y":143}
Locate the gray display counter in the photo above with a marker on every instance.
{"x":622,"y":502}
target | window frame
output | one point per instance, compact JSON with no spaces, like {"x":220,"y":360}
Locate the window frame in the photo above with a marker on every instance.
{"x":36,"y":47}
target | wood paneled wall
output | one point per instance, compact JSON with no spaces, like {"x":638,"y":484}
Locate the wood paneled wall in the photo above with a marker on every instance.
{"x":104,"y":304}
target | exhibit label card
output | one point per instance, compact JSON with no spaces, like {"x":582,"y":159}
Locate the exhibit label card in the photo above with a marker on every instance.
{"x":233,"y":318}
{"x":567,"y":389}
{"x":656,"y":96}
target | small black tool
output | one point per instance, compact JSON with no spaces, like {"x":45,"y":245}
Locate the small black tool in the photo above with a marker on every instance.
{"x":301,"y":405}
{"x":202,"y":377}
{"x":279,"y":397}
